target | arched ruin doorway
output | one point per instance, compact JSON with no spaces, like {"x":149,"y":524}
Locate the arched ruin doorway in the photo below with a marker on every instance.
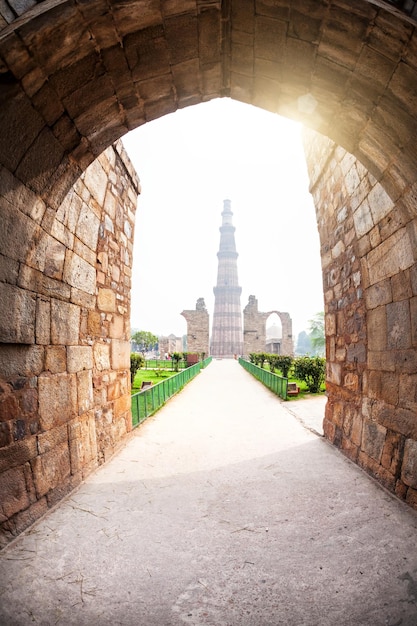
{"x":75,"y":78}
{"x":273,"y":334}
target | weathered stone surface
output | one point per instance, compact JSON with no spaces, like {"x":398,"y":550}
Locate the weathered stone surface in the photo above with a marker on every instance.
{"x":65,"y":323}
{"x":18,"y":453}
{"x":57,"y":399}
{"x":55,"y":359}
{"x":101,"y":356}
{"x":18,"y":360}
{"x":83,"y":442}
{"x":394,"y":254}
{"x":14,"y":494}
{"x":409,"y":467}
{"x":50,"y":439}
{"x":80,"y":274}
{"x":87,"y":227}
{"x":17,"y":315}
{"x":85,"y":391}
{"x":51,"y":469}
{"x":120,"y":355}
{"x":79,"y":358}
{"x":106,"y":300}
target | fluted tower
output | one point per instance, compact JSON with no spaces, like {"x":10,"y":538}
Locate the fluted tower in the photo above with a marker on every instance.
{"x":227,"y":335}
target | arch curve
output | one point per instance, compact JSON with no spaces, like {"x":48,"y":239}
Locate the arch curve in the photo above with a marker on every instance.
{"x":75,"y":77}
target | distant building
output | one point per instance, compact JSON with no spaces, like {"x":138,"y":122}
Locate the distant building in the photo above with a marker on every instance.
{"x":170,"y":344}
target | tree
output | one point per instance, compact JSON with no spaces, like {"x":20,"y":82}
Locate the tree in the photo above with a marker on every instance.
{"x":145,"y":340}
{"x":317,"y":334}
{"x":136,"y":362}
{"x":303,"y":344}
{"x":176,"y":358}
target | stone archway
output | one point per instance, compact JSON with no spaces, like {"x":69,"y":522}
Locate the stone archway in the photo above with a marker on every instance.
{"x":76,"y":77}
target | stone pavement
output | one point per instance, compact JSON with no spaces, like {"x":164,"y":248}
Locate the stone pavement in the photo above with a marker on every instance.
{"x":222,"y":510}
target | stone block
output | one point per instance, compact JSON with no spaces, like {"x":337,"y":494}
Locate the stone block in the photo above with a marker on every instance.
{"x":334,"y":373}
{"x":55,"y":359}
{"x":95,"y":179}
{"x":380,"y":203}
{"x":399,"y":420}
{"x":85,"y":391}
{"x":43,"y":321}
{"x":57,"y":399}
{"x":87,"y":227}
{"x":409,"y":466}
{"x":122,"y":405}
{"x":378,"y":294}
{"x":392,"y":453}
{"x":94,"y":324}
{"x":79,"y":273}
{"x":36,"y":281}
{"x":362,"y":219}
{"x":18,"y":360}
{"x":393,"y":255}
{"x":120,"y":355}
{"x":51,"y":469}
{"x":14,"y":496}
{"x":18,"y":453}
{"x":377,"y":329}
{"x":106,"y":300}
{"x":65,"y":323}
{"x":83,"y":443}
{"x":398,"y":325}
{"x":17,"y":315}
{"x":116,"y":327}
{"x":101,"y":353}
{"x":50,"y":439}
{"x":373,"y":439}
{"x":79,"y":358}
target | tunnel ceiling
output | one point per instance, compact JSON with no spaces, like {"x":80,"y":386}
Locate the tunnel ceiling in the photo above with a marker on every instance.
{"x":76,"y":76}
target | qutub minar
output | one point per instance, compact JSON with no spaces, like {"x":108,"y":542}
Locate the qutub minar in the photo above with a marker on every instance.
{"x":227,"y":335}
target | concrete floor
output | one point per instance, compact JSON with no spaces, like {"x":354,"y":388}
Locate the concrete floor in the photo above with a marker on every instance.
{"x":222,"y":510}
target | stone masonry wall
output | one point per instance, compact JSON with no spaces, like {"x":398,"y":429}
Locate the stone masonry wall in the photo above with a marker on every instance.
{"x":368,"y":247}
{"x":254,"y":329}
{"x":198,"y":328}
{"x":65,"y":280}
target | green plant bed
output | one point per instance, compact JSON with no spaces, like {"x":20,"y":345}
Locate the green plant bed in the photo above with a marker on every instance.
{"x":304,"y":392}
{"x":154,"y":376}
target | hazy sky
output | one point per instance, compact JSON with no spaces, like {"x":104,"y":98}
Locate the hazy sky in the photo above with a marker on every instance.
{"x":188,"y":163}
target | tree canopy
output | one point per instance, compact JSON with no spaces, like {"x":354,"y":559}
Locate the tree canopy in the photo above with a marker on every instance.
{"x":145,"y":340}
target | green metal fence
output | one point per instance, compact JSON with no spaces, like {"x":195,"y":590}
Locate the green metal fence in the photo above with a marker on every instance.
{"x":275,"y":383}
{"x":146,"y":402}
{"x":161,"y":364}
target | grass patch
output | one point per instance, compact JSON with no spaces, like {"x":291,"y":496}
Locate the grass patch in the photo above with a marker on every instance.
{"x":155,"y":376}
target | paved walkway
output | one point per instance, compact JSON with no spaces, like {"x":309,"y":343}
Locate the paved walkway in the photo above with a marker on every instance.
{"x":222,"y":510}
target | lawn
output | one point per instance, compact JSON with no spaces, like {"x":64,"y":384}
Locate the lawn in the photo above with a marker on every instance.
{"x":154,"y":376}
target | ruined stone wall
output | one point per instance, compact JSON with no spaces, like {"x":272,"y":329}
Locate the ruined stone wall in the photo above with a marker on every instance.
{"x":198,"y":328}
{"x":65,"y":283}
{"x":368,"y":247}
{"x":254,"y":329}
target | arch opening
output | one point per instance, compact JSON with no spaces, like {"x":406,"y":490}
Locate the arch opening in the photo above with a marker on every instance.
{"x":73,"y":82}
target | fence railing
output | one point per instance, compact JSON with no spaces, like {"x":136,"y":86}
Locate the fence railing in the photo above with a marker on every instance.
{"x":146,"y":402}
{"x":163,"y":364}
{"x":277,"y":384}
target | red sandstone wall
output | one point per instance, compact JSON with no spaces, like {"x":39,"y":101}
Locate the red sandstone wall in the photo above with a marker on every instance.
{"x":368,"y":244}
{"x":65,"y":281}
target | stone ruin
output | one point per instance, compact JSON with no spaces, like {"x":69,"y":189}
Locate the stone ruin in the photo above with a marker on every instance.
{"x":254,"y":329}
{"x":197,"y":328}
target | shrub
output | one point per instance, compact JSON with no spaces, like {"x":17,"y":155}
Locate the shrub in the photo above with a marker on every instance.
{"x":136,"y":362}
{"x":312,"y":370}
{"x":284,"y":363}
